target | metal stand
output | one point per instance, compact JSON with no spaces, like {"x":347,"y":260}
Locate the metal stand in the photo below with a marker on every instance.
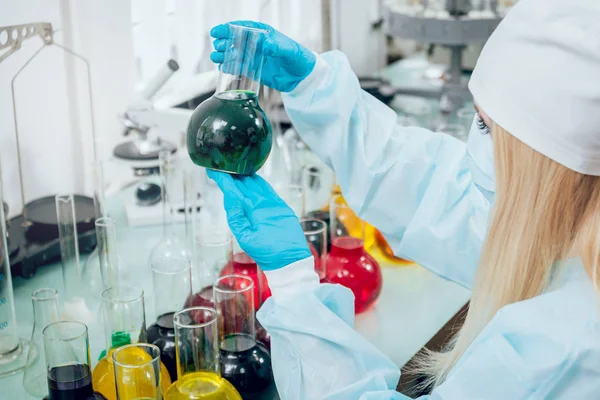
{"x":16,"y":35}
{"x":455,"y":29}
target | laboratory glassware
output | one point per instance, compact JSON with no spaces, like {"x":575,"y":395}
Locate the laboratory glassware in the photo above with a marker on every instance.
{"x":454,"y":130}
{"x":124,"y":317}
{"x":293,"y":196}
{"x":317,"y":184}
{"x":91,"y":272}
{"x":245,"y":362}
{"x":198,"y":370}
{"x":45,"y":312}
{"x":348,"y":263}
{"x":137,"y":372}
{"x":315,"y":232}
{"x":76,"y":305}
{"x":106,"y":234}
{"x":230,"y":131}
{"x":214,"y":252}
{"x":67,"y":351}
{"x":170,"y":246}
{"x":13,"y":350}
{"x":243,"y":264}
{"x":172,"y":283}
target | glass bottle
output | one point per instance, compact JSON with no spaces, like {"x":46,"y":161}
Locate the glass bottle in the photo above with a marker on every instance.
{"x":172,"y":282}
{"x":245,"y":362}
{"x":348,"y":263}
{"x":230,"y":131}
{"x":124,"y":323}
{"x":137,"y":372}
{"x":67,"y":351}
{"x":198,"y":370}
{"x":170,"y":246}
{"x":45,"y":312}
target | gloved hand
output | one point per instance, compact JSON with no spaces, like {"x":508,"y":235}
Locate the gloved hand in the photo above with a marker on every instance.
{"x":286,"y":62}
{"x":264,"y":226}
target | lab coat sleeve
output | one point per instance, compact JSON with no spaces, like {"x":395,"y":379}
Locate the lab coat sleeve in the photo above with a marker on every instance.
{"x":414,"y":185}
{"x":316,"y":353}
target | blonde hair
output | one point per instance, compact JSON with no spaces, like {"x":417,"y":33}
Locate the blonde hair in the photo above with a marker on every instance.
{"x":543,"y":213}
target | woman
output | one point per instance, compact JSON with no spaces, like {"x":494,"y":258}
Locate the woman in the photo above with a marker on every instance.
{"x":532,"y":330}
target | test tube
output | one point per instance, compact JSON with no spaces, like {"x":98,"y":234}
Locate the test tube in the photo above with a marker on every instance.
{"x":124,"y":316}
{"x":99,"y":196}
{"x":106,"y":235}
{"x":67,"y":353}
{"x":13,"y":350}
{"x":137,"y":372}
{"x":69,"y":246}
{"x":315,"y":232}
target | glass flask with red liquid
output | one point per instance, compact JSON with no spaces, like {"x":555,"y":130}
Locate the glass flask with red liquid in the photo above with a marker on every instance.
{"x":348,"y":263}
{"x":244,"y":360}
{"x":243,"y":264}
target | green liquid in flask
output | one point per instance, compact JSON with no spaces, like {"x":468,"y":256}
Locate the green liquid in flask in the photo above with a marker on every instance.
{"x":230,"y":132}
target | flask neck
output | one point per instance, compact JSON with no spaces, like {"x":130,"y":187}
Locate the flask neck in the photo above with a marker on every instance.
{"x":45,"y":311}
{"x":237,"y":83}
{"x":242,"y":60}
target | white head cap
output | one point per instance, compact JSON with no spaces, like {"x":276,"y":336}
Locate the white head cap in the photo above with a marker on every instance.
{"x":538,"y":77}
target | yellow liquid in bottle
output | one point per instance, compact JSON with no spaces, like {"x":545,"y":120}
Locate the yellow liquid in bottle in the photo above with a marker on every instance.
{"x":103,"y":376}
{"x":374,"y":242}
{"x":202,"y":385}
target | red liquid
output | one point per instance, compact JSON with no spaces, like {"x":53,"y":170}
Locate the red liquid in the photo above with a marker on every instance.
{"x":350,"y":265}
{"x":244,"y":265}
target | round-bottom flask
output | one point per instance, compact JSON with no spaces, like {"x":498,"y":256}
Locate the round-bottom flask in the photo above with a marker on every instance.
{"x":230,"y":132}
{"x":348,"y":263}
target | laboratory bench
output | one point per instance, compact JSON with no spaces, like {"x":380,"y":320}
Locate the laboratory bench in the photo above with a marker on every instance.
{"x":414,"y":303}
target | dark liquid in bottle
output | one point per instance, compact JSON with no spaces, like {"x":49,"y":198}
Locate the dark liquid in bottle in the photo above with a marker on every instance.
{"x":230,"y":132}
{"x":71,"y":382}
{"x":246,"y":363}
{"x":162,"y":334}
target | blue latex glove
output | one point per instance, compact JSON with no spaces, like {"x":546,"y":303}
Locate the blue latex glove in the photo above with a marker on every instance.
{"x":264,"y":226}
{"x":286,"y":62}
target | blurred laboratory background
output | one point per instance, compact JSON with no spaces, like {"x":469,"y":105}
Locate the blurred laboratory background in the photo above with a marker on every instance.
{"x":99,"y":190}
